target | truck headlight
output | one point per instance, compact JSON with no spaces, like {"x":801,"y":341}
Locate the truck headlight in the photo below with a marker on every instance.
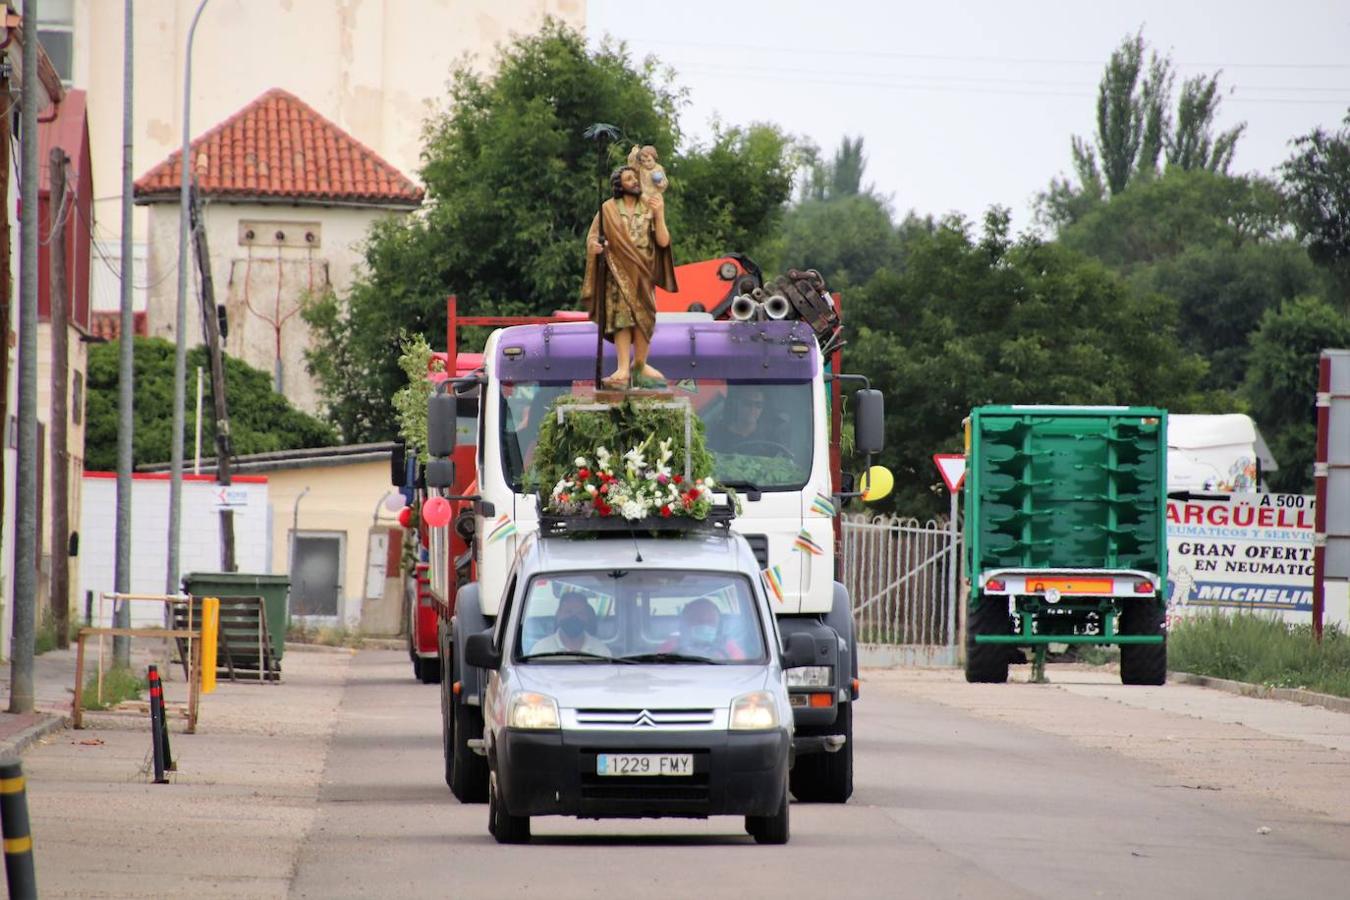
{"x":535,"y":711}
{"x":754,"y":712}
{"x":810,"y":676}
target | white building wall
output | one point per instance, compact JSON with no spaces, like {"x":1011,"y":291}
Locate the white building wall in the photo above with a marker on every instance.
{"x":374,"y":67}
{"x":200,"y":536}
{"x":261,"y":281}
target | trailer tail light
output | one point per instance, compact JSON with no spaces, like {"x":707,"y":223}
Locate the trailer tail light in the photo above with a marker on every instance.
{"x":996,"y":585}
{"x":1143,"y":587}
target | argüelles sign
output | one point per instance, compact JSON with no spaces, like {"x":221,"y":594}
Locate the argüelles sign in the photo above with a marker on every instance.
{"x":1243,"y":551}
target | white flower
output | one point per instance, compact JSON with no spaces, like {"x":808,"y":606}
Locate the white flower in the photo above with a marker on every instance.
{"x":581,"y":462}
{"x":636,"y":461}
{"x":590,"y":489}
{"x":602,"y":458}
{"x":632,"y":509}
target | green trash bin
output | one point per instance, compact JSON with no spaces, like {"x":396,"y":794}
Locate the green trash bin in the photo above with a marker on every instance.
{"x":272,"y":588}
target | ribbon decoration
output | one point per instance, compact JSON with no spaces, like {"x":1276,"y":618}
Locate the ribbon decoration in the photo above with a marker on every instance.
{"x":773,"y":577}
{"x":502,"y":529}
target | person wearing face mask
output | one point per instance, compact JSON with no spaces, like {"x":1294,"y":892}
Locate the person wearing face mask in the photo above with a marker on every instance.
{"x":570,"y":633}
{"x":700,"y":633}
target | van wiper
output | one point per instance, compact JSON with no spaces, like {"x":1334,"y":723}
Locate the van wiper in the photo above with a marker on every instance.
{"x":742,"y":483}
{"x":667,"y":658}
{"x":576,"y":654}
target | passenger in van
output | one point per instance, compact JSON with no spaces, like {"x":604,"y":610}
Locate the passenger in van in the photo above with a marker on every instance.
{"x":700,"y":633}
{"x":573,"y":626}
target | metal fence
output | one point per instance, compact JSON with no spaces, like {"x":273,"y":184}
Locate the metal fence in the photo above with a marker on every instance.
{"x":902,"y":575}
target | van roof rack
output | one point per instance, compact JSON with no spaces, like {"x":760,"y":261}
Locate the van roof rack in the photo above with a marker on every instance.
{"x":719,"y":519}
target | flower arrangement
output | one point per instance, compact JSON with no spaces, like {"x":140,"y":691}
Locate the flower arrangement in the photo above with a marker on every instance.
{"x":638,"y":484}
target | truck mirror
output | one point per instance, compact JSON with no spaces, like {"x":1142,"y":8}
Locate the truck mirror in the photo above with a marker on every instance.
{"x":870,"y":421}
{"x":441,"y":424}
{"x":799,"y":650}
{"x":440,"y":473}
{"x":479,"y":652}
{"x":398,"y":465}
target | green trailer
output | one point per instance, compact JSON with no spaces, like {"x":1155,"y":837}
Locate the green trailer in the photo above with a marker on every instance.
{"x":1065,"y":535}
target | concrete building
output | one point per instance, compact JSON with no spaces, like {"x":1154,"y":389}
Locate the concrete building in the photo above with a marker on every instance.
{"x":372,"y":67}
{"x":288,"y":197}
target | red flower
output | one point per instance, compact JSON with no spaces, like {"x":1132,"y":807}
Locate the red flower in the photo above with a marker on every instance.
{"x":678,"y":479}
{"x":693,"y":493}
{"x":604,"y":488}
{"x":603,"y":508}
{"x":583,"y":474}
{"x":665,"y":511}
{"x":565,"y":498}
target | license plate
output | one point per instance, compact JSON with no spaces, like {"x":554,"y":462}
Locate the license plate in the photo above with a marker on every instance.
{"x":1070,"y":585}
{"x":644,"y":764}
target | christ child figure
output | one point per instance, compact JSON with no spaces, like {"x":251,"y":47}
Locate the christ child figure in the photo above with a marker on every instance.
{"x":647,"y":163}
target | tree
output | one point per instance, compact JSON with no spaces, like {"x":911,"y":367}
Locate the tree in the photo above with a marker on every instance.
{"x":1282,"y":383}
{"x":512,"y":186}
{"x":973,"y":320}
{"x":841,"y":177}
{"x":261,"y":420}
{"x":1317,"y":192}
{"x":847,"y":239}
{"x":1134,"y":127}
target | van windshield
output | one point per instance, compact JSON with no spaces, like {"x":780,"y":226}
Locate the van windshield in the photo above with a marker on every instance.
{"x":760,"y":434}
{"x":640,"y":616}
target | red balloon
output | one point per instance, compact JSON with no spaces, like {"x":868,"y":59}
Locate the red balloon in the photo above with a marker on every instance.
{"x":436,"y":512}
{"x":405,"y":516}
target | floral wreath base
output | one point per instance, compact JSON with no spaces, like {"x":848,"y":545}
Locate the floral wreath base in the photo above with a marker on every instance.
{"x":636,"y":486}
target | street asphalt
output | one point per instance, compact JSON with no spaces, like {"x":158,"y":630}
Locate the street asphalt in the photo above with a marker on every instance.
{"x":331,"y":785}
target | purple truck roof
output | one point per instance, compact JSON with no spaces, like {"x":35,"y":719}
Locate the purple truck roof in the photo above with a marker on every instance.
{"x":728,"y":351}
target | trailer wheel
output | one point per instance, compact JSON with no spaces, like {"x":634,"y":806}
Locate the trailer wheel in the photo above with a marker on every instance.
{"x":987,"y":663}
{"x":827,"y":777}
{"x":506,"y":828}
{"x":1143,"y":663}
{"x":447,"y":721}
{"x":770,"y":829}
{"x":467,"y":770}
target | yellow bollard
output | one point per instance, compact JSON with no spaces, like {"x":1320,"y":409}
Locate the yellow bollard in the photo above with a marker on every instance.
{"x":210,"y":634}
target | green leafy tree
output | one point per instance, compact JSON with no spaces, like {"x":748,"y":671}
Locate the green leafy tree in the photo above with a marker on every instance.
{"x":1282,"y":382}
{"x":840,"y":177}
{"x":261,"y":420}
{"x":1317,"y":192}
{"x":847,"y":239}
{"x":512,"y":185}
{"x":988,"y":319}
{"x":1135,"y":129}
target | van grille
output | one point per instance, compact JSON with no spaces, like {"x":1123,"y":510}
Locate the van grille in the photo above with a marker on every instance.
{"x":645,"y":718}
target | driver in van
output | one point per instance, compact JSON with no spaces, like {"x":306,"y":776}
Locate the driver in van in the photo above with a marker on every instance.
{"x":741,"y":421}
{"x":573,"y":624}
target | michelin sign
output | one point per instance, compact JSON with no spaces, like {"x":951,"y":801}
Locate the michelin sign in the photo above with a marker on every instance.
{"x":1241,"y":552}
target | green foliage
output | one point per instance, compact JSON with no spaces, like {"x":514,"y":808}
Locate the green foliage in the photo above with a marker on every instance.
{"x":1317,"y":193}
{"x":840,"y":177}
{"x":618,"y":429}
{"x":1134,"y":128}
{"x":846,"y":239}
{"x":512,"y":186}
{"x":119,"y":685}
{"x":982,"y":320}
{"x":1282,"y":382}
{"x":410,"y":401}
{"x":1261,"y":649}
{"x":260,"y":419}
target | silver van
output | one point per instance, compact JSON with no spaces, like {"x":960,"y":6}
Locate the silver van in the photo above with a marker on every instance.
{"x":636,"y":677}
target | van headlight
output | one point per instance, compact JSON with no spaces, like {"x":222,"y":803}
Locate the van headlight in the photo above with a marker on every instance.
{"x":810,"y":676}
{"x":756,"y":711}
{"x":533,"y":711}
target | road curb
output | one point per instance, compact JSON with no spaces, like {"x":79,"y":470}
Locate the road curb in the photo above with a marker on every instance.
{"x":316,"y":648}
{"x":1265,"y":692}
{"x":16,"y":745}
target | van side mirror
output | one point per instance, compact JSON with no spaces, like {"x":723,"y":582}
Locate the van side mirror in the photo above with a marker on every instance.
{"x":441,"y":424}
{"x":398,"y":465}
{"x":870,"y":421}
{"x":440,"y":473}
{"x":799,"y":650}
{"x":479,"y":652}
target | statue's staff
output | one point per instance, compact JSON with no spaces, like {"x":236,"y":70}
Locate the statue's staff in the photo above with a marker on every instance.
{"x":602,"y":134}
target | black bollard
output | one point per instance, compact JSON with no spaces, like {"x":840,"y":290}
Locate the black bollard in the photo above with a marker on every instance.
{"x":18,"y":838}
{"x":157,"y":723}
{"x":169,"y":764}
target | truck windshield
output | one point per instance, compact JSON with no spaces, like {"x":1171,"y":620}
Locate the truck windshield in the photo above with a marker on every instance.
{"x":640,"y":616}
{"x":760,"y":434}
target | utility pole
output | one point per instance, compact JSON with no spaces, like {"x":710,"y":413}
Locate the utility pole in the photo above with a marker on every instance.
{"x":126,"y":368}
{"x":171,"y":585}
{"x":62,"y":211}
{"x":6,"y":283}
{"x":26,"y":538}
{"x":211,"y":327}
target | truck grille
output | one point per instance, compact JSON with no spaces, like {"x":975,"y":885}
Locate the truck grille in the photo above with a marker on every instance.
{"x":759,"y":545}
{"x":645,"y":718}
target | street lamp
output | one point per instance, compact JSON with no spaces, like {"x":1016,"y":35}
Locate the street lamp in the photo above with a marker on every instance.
{"x":180,"y":332}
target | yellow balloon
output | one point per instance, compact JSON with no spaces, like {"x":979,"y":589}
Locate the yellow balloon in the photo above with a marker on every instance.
{"x":877,"y":484}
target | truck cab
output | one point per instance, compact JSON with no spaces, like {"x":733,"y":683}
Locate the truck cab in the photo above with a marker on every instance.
{"x":636,"y":678}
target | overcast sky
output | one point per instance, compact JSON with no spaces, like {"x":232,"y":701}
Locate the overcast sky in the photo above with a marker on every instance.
{"x":968,"y":103}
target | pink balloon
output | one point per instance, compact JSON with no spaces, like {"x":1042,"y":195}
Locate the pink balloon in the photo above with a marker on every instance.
{"x":436,"y":512}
